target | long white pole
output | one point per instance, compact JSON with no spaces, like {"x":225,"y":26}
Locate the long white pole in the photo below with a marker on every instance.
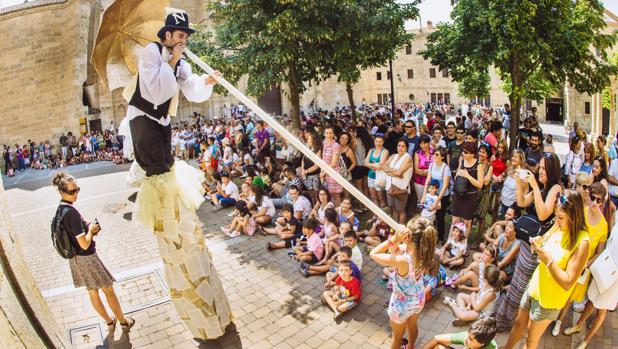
{"x":295,"y":142}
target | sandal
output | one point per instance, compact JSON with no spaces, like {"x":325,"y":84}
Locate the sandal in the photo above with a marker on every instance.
{"x":112,"y":326}
{"x":127,"y":326}
{"x":268,"y":246}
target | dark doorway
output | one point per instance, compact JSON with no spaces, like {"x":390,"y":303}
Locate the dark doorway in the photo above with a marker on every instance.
{"x":554,"y":110}
{"x":605,"y":122}
{"x":95,"y":125}
{"x":271,"y":101}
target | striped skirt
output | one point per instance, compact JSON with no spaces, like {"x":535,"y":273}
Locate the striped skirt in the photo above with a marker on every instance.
{"x":509,"y":306}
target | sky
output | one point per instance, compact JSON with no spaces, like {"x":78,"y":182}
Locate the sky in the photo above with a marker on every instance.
{"x":431,"y":10}
{"x":439,"y":10}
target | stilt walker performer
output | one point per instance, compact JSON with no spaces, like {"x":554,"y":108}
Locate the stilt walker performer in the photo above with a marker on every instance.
{"x":171,"y":192}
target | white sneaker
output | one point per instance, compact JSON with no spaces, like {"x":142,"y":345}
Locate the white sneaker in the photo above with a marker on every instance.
{"x":556,"y":330}
{"x":579,"y":306}
{"x":225,"y":231}
{"x":234,"y":234}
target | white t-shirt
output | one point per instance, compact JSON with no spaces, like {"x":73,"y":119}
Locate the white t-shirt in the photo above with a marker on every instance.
{"x":230,"y":189}
{"x":357,"y":257}
{"x":429,"y":200}
{"x":248,"y":159}
{"x":303,"y":204}
{"x":269,"y":205}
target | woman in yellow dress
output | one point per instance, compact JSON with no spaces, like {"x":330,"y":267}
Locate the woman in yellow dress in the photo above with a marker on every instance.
{"x":562,"y":253}
{"x":597,"y":231}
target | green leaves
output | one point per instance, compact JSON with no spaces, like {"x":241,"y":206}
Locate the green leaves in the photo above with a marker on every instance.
{"x":300,"y":42}
{"x":535,"y":45}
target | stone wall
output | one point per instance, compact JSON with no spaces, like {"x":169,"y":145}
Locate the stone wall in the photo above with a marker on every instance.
{"x":43,"y":66}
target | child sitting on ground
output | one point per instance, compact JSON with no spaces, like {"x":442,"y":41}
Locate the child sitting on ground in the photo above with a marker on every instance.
{"x":496,"y":229}
{"x":378,"y":233}
{"x":480,"y":336}
{"x":242,"y":222}
{"x":350,"y":243}
{"x":345,"y":213}
{"x":334,"y":243}
{"x":344,"y":254}
{"x":330,"y":231}
{"x":290,"y":233}
{"x":434,"y":278}
{"x":281,"y":224}
{"x":346,"y":293}
{"x":474,"y":272}
{"x":431,"y":204}
{"x":452,"y":254}
{"x":314,"y":250}
{"x":470,"y":307}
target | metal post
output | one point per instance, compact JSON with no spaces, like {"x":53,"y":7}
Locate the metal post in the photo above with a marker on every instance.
{"x":390,"y":65}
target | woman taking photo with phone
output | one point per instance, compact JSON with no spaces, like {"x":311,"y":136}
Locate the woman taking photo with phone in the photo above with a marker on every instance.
{"x":562,"y":253}
{"x":87,"y":269}
{"x":539,"y":199}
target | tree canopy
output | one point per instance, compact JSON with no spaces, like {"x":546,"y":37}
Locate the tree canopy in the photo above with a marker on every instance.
{"x":534,"y":44}
{"x":301,"y":42}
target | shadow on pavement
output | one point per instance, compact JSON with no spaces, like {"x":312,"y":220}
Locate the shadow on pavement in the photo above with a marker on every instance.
{"x":124,"y":342}
{"x":35,"y":179}
{"x":231,"y":340}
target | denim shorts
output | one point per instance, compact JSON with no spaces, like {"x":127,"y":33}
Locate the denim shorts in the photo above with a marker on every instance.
{"x":537,"y":312}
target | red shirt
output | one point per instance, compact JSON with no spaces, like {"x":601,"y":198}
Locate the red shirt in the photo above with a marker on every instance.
{"x":499,"y":166}
{"x":353,"y":287}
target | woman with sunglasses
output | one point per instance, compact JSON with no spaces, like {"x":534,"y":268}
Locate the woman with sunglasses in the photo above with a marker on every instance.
{"x":597,"y":230}
{"x":562,"y":254}
{"x":87,"y":269}
{"x":539,"y":203}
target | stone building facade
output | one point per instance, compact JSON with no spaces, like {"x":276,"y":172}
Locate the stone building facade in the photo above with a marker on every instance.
{"x":49,"y":87}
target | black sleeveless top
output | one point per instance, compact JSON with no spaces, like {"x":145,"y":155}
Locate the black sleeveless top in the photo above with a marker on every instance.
{"x":531,"y":210}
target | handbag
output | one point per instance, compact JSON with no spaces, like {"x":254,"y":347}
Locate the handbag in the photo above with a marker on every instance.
{"x":529,"y":226}
{"x":460,"y":187}
{"x":396,"y":191}
{"x":604,"y":271}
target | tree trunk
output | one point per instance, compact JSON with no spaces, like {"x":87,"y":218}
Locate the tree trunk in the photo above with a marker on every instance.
{"x":293,"y":84}
{"x":515,"y":100}
{"x":348,"y":89}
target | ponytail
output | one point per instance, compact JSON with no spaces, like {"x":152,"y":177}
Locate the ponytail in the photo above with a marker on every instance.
{"x":423,"y":236}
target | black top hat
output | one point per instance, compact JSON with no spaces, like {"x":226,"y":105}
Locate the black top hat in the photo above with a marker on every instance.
{"x":176,"y":20}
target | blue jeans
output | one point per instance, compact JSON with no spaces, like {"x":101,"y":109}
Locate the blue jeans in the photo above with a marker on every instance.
{"x":226,"y":202}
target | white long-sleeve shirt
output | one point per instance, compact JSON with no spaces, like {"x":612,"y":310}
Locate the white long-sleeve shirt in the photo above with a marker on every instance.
{"x":158,"y":84}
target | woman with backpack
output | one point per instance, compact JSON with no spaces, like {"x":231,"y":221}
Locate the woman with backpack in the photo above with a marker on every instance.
{"x":87,"y":269}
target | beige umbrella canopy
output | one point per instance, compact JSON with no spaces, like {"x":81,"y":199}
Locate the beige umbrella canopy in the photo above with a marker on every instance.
{"x":126,"y":26}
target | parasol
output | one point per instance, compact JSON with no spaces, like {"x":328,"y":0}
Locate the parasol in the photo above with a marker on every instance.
{"x":126,"y":26}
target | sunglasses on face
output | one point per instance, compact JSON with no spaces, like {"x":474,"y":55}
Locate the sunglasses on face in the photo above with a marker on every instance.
{"x":461,"y":133}
{"x":72,"y":191}
{"x":596,"y":199}
{"x":585,"y":187}
{"x":409,"y":126}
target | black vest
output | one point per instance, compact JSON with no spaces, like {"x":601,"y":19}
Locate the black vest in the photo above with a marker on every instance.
{"x":157,"y":111}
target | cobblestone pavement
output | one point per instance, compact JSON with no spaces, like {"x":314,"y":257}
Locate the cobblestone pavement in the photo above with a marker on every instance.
{"x":273,"y":305}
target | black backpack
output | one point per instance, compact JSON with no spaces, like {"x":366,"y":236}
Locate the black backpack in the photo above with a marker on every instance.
{"x":59,"y":236}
